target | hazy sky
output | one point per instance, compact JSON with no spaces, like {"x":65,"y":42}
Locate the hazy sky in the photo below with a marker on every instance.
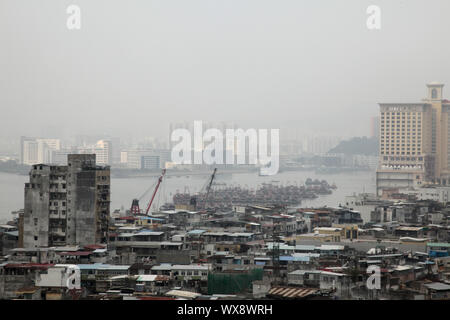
{"x":137,"y":65}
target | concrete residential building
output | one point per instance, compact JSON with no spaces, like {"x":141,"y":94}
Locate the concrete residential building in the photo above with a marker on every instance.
{"x":67,"y":205}
{"x":414,"y":142}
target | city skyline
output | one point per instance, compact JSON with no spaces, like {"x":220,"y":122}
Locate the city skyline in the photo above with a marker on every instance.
{"x":246,"y":153}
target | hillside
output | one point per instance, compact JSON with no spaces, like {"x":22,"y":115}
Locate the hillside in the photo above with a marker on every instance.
{"x":358,"y":145}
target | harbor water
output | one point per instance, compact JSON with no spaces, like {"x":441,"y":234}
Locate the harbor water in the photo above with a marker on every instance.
{"x":123,"y":190}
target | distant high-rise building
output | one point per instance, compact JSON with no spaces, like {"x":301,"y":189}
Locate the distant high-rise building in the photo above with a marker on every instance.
{"x":67,"y":205}
{"x":145,"y":158}
{"x":115,"y":152}
{"x":102,"y":149}
{"x":37,"y":150}
{"x":150,"y":162}
{"x":415,"y":142}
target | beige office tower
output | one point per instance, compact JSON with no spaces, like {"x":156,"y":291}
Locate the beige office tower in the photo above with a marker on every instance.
{"x":414,"y":142}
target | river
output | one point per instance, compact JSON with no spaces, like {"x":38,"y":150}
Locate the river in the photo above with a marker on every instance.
{"x":123,"y":190}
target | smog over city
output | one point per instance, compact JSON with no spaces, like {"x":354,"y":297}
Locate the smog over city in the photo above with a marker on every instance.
{"x":254,"y":153}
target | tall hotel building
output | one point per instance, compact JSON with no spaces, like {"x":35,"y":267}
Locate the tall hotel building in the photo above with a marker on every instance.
{"x":414,"y":142}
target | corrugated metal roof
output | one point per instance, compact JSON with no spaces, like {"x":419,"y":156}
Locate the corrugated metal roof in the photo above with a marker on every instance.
{"x":149,"y":233}
{"x":168,"y":243}
{"x":152,"y":277}
{"x":30,"y":265}
{"x":404,"y":228}
{"x":100,"y":251}
{"x":300,"y":272}
{"x":12,"y":233}
{"x":295,"y":258}
{"x":75,"y":253}
{"x":150,"y":218}
{"x":102,"y":266}
{"x":196,"y":231}
{"x":440,"y":244}
{"x":27,"y":290}
{"x":190,"y":267}
{"x":154,"y":298}
{"x":292,"y":292}
{"x":183,"y":294}
{"x":438,"y":286}
{"x":328,"y":273}
{"x":302,"y":247}
{"x":331,"y":247}
{"x":7,"y":226}
{"x":242,"y":234}
{"x":163,"y":266}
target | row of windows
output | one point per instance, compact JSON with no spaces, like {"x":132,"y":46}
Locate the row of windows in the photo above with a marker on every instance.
{"x":56,"y":203}
{"x":402,"y":119}
{"x":403,"y":158}
{"x":408,"y":143}
{"x":63,"y":212}
{"x":398,"y":133}
{"x":390,"y":130}
{"x":55,"y":185}
{"x":403,"y":139}
{"x":398,"y":152}
{"x":392,"y":125}
{"x":387,"y":149}
{"x":398,"y":145}
{"x":398,"y":128}
{"x":195,"y":273}
{"x":400,"y":113}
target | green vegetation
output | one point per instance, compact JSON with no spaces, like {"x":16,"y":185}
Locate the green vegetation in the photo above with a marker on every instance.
{"x":358,"y":145}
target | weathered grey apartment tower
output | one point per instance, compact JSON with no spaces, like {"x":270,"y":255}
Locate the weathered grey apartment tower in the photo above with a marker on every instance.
{"x":66,"y":205}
